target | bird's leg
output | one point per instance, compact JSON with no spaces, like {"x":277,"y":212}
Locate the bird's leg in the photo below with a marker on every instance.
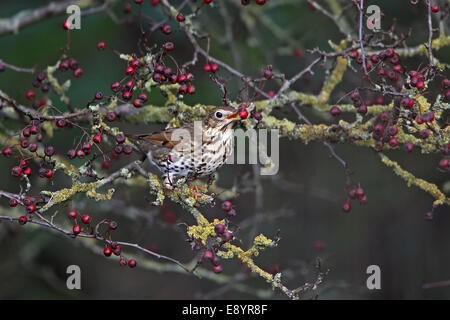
{"x":168,"y":182}
{"x":211,"y":179}
{"x":195,"y":190}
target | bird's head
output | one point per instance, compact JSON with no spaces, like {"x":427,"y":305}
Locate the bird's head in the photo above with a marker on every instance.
{"x":221,"y":117}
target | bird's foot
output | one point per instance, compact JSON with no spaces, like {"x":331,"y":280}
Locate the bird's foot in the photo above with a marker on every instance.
{"x":195,"y":190}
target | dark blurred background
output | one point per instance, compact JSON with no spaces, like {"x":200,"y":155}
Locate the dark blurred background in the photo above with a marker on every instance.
{"x":389,"y":231}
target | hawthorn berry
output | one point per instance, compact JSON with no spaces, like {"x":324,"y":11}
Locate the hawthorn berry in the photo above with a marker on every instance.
{"x":115,"y":86}
{"x":359,"y":192}
{"x":127,"y":149}
{"x":227,"y":236}
{"x":66,"y":25}
{"x":219,"y":228}
{"x":112,"y":225}
{"x":190,"y":89}
{"x":78,"y":72}
{"x":7,"y":152}
{"x":335,"y":111}
{"x":49,"y":173}
{"x":393,"y":142}
{"x":243,"y":114}
{"x":31,"y":208}
{"x":346,"y":206}
{"x":166,"y":29}
{"x":137,"y":103}
{"x":208,"y":255}
{"x":23,"y":220}
{"x":420,"y":85}
{"x":207,"y":1}
{"x":207,"y":67}
{"x":117,"y":250}
{"x":81,"y":154}
{"x":392,"y":130}
{"x":180,"y":17}
{"x":76,"y":229}
{"x":214,"y":67}
{"x":217,"y":269}
{"x":154,"y":2}
{"x":98,"y":95}
{"x":97,"y":138}
{"x":120,"y":138}
{"x":182,"y":89}
{"x":110,"y":116}
{"x":132,"y":263}
{"x":408,"y":147}
{"x":168,"y":46}
{"x":129,"y":71}
{"x":226,"y":205}
{"x":24,"y":144}
{"x":122,"y":261}
{"x":443,"y":163}
{"x":107,"y":252}
{"x":138,"y":1}
{"x":16,"y":171}
{"x":407,"y":102}
{"x":71,"y":154}
{"x":435,"y":8}
{"x":126,"y":95}
{"x":72,"y":214}
{"x":27,"y":171}
{"x":86,"y":219}
{"x":13,"y":202}
{"x":30,"y":95}
{"x":101,"y":46}
{"x":143,"y":96}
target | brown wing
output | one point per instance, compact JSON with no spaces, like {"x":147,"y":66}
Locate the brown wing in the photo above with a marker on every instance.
{"x":162,"y":138}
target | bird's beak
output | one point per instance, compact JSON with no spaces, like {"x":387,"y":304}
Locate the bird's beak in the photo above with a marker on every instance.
{"x":233,"y":116}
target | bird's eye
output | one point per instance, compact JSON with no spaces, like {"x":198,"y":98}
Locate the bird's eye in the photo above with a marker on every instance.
{"x":219,"y":115}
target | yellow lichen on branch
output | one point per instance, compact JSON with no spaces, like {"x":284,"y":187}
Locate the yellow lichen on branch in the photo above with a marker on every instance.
{"x":410,"y":179}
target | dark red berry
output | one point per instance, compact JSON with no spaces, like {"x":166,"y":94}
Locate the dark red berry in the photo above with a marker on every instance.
{"x":78,"y":72}
{"x":85,"y":218}
{"x":101,"y":46}
{"x":16,"y":171}
{"x":180,"y":17}
{"x":76,"y":229}
{"x":23,"y":220}
{"x":227,"y":206}
{"x":335,"y":111}
{"x":166,"y":29}
{"x":346,"y":207}
{"x":208,"y":255}
{"x":7,"y":151}
{"x":99,"y":95}
{"x":107,"y":252}
{"x":219,"y":228}
{"x":110,"y":116}
{"x":13,"y":202}
{"x":132,"y":263}
{"x":72,"y":214}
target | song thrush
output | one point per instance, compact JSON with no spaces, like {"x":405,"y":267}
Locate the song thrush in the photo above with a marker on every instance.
{"x":193,"y":150}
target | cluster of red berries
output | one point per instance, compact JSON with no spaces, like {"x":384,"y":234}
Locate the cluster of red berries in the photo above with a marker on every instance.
{"x":211,"y":67}
{"x":121,"y":147}
{"x":39,"y":82}
{"x":354,"y":193}
{"x":215,"y":260}
{"x":221,"y":231}
{"x":72,"y":64}
{"x":228,"y":208}
{"x":445,"y":87}
{"x":82,"y":152}
{"x":357,"y":102}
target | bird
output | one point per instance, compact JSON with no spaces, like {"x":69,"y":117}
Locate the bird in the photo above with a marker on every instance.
{"x":194,"y":150}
